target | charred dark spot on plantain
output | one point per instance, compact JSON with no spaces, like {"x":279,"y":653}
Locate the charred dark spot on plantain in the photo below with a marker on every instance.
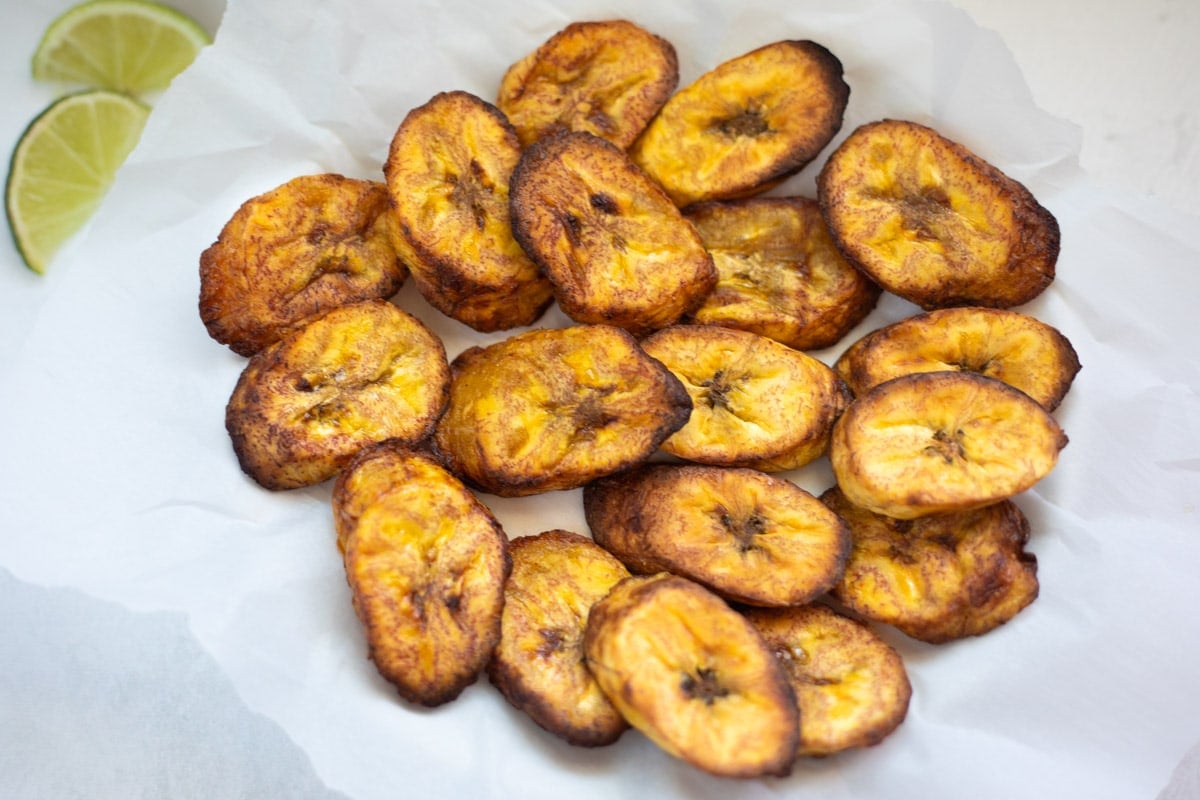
{"x":946,"y":541}
{"x":317,"y":233}
{"x":421,"y":598}
{"x":601,"y":121}
{"x":572,"y":227}
{"x":974,"y":367}
{"x":922,"y":210}
{"x":900,"y":554}
{"x":553,"y":640}
{"x":716,"y":390}
{"x":591,"y":414}
{"x":470,"y":191}
{"x":603,"y":203}
{"x":984,"y":589}
{"x":703,"y":686}
{"x":749,"y":123}
{"x":324,"y":414}
{"x":948,"y":446}
{"x":743,"y":529}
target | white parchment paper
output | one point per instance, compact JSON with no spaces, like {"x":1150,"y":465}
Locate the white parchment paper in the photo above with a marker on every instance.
{"x":117,"y":477}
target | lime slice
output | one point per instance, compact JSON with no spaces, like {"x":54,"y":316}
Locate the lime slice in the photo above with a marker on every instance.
{"x":132,"y":46}
{"x":63,"y":166}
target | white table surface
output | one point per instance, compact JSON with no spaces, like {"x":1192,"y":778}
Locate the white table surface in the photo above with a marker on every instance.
{"x":94,"y":699}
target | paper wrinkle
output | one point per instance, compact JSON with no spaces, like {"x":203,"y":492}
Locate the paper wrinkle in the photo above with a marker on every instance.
{"x":1185,"y":780}
{"x":1182,"y":465}
{"x":160,"y":516}
{"x":206,"y":507}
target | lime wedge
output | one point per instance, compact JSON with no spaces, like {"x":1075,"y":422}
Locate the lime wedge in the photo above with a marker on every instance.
{"x":132,"y":46}
{"x":63,"y":166}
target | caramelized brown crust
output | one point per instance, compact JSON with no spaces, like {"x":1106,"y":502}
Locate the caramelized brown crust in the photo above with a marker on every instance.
{"x":426,"y":563}
{"x":553,"y":409}
{"x":448,"y":170}
{"x":780,"y":274}
{"x":932,"y":222}
{"x":1006,"y":345}
{"x":694,"y":676}
{"x":607,"y":78}
{"x":936,"y":442}
{"x":851,"y":686}
{"x":538,"y":664}
{"x":941,"y":577}
{"x":747,"y":124}
{"x":307,"y":404}
{"x":616,"y":249}
{"x":748,"y":536}
{"x":310,"y":245}
{"x":755,"y":402}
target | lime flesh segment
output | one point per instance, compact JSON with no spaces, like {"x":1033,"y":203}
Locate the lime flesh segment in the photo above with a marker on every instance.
{"x":131,"y":46}
{"x":63,"y":166}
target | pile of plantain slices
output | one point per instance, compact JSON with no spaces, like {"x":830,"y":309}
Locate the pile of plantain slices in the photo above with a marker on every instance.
{"x":715,"y":606}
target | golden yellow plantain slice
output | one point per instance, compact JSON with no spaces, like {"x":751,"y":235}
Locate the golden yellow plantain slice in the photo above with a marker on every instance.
{"x":748,"y":536}
{"x":538,"y":665}
{"x":936,"y":442}
{"x":851,"y":686}
{"x":426,"y":563}
{"x":553,"y":409}
{"x":607,"y":78}
{"x":1006,"y":345}
{"x":307,"y":404}
{"x":447,"y":171}
{"x":932,"y":222}
{"x":941,"y":577}
{"x":747,"y":124}
{"x":779,"y":273}
{"x":755,"y":402}
{"x":694,"y":676}
{"x":310,"y":245}
{"x":616,"y":249}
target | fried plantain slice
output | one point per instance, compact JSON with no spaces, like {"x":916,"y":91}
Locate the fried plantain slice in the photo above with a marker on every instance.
{"x":934,"y":223}
{"x":940,"y":577}
{"x":310,"y":245}
{"x":694,"y":676}
{"x":553,"y":409}
{"x":538,"y":665}
{"x":755,"y":402}
{"x":851,"y":685}
{"x":426,"y":563}
{"x":935,"y":442}
{"x":779,"y":272}
{"x":607,"y":78}
{"x":748,"y":536}
{"x":447,"y":172}
{"x":746,"y":125}
{"x":307,"y":404}
{"x":1006,"y":345}
{"x":615,"y":248}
